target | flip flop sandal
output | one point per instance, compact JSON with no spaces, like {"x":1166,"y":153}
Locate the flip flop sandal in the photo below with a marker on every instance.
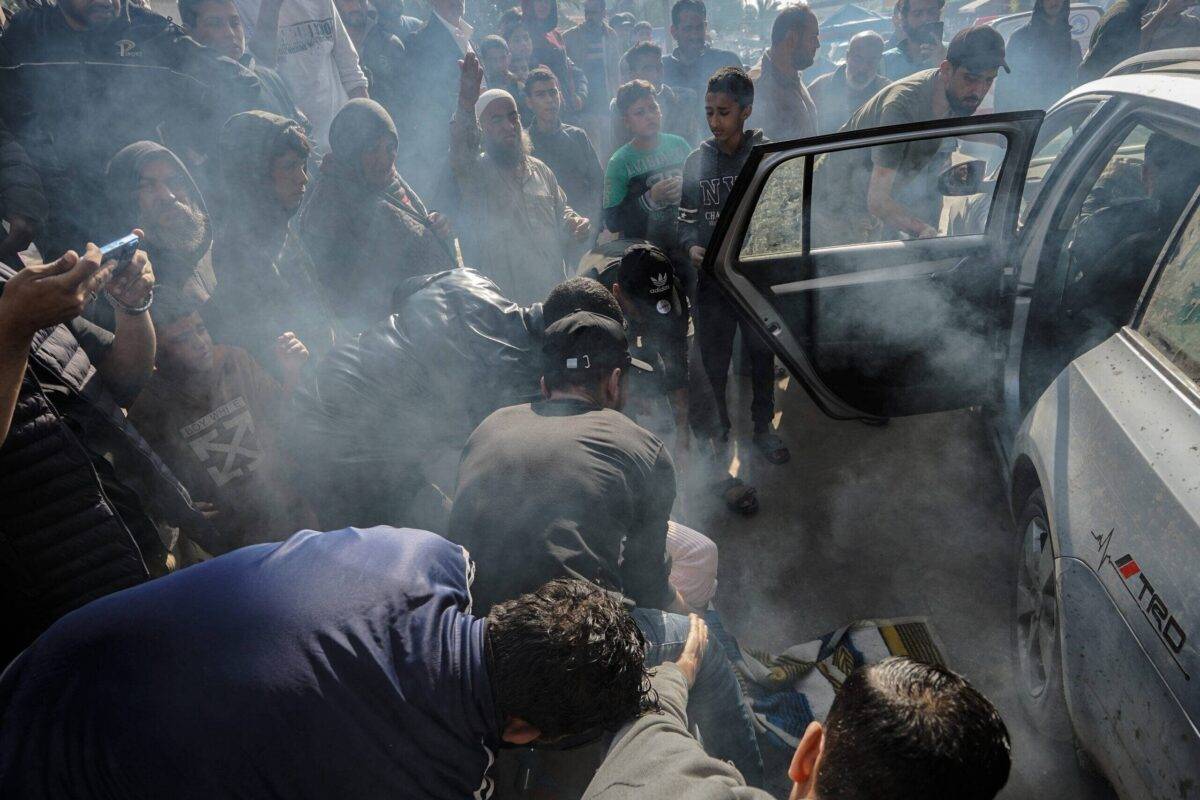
{"x":772,"y":448}
{"x":739,"y":497}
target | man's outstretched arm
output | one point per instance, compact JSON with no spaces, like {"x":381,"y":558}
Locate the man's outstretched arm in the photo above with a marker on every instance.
{"x":655,"y":752}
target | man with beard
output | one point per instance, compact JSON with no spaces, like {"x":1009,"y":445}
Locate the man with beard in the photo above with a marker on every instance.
{"x":138,"y":76}
{"x":265,"y":281}
{"x":782,"y":106}
{"x":920,"y":43}
{"x":854,"y":191}
{"x":150,"y":188}
{"x":516,"y":219}
{"x":840,"y":93}
{"x":217,"y":24}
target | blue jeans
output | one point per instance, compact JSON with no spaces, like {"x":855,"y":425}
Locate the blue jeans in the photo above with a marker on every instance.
{"x":716,"y":704}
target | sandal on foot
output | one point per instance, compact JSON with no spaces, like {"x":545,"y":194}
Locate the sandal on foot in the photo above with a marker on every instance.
{"x":739,"y":497}
{"x":772,"y":448}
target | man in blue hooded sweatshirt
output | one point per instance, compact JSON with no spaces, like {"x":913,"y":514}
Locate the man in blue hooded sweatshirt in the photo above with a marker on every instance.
{"x":343,"y":664}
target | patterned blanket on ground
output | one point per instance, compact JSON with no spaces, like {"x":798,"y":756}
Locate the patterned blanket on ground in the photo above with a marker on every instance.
{"x":789,"y":690}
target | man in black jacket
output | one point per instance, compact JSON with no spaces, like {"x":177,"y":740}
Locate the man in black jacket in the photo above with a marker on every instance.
{"x":22,"y":200}
{"x":130,"y":73}
{"x":79,"y":482}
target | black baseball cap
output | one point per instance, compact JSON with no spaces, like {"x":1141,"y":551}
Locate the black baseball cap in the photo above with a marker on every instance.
{"x":646,"y":276}
{"x":585,"y":340}
{"x":978,"y":48}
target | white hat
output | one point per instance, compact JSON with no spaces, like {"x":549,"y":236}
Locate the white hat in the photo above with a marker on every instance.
{"x":487,"y":97}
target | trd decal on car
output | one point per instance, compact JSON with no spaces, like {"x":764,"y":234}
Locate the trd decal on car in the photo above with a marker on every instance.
{"x":1153,"y":607}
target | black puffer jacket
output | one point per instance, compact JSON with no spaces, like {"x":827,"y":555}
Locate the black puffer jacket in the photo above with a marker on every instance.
{"x":62,"y":541}
{"x":375,"y":411}
{"x":20,"y":186}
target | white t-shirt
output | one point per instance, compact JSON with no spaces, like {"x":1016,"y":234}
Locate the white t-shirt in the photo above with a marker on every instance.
{"x":315,"y":56}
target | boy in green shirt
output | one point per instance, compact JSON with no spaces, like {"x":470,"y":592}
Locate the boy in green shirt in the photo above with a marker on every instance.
{"x":644,"y":177}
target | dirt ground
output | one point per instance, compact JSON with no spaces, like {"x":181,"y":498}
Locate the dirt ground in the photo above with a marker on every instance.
{"x":908,"y":519}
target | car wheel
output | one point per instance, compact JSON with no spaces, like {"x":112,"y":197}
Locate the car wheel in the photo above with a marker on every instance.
{"x":1037,"y":646}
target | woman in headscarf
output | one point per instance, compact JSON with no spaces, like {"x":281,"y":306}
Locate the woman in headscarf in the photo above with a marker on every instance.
{"x":364,"y":227}
{"x":265,"y":286}
{"x":1043,"y":57}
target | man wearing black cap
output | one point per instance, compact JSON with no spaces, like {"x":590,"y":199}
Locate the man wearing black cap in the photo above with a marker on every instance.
{"x":568,"y":486}
{"x":853,"y":193}
{"x":660,"y":324}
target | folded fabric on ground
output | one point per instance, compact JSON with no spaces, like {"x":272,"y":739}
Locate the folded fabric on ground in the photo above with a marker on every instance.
{"x":789,"y":690}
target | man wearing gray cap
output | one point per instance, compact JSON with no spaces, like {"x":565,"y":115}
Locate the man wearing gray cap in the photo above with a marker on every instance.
{"x":856,"y":192}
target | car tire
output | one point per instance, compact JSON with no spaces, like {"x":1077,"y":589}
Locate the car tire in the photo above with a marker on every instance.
{"x":1037,"y":646}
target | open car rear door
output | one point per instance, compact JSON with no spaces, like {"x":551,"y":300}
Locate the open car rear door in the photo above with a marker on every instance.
{"x":874,"y":323}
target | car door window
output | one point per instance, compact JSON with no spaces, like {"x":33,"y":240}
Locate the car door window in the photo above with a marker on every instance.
{"x":1118,"y":222}
{"x":940,"y":181}
{"x":1171,"y":320}
{"x":1056,"y":133}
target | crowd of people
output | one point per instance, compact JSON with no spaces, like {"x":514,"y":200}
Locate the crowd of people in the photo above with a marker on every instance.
{"x":438,"y":288}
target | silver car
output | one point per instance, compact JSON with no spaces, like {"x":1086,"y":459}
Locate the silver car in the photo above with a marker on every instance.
{"x":1062,"y":296}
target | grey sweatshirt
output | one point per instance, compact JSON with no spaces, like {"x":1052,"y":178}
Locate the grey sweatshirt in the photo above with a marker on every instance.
{"x":655,"y":757}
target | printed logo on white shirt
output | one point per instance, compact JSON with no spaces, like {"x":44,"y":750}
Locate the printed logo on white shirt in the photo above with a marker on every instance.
{"x":303,"y":36}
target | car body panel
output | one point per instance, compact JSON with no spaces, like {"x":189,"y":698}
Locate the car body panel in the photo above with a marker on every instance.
{"x":1123,"y":715}
{"x":1116,"y":445}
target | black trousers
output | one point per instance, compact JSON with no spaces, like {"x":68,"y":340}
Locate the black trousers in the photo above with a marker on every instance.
{"x":716,"y":323}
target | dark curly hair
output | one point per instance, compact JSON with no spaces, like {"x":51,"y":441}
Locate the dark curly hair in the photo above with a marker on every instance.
{"x":568,"y":659}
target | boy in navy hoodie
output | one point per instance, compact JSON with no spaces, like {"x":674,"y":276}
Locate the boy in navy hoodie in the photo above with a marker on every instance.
{"x":708,"y":177}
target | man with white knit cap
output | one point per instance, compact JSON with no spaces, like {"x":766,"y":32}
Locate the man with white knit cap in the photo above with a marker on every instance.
{"x":515,"y":219}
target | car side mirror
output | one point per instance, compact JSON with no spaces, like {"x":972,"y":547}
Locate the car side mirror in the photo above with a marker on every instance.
{"x":959,"y":180}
